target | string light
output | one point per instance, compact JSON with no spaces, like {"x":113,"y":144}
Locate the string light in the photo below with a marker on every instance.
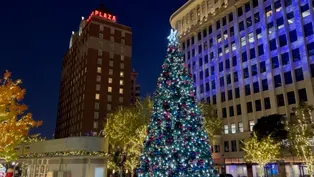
{"x":176,"y":142}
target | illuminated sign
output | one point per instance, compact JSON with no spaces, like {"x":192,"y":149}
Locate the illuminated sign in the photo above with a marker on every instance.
{"x":102,"y":15}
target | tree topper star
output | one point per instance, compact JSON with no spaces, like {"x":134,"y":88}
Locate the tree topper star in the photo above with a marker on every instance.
{"x":173,"y":36}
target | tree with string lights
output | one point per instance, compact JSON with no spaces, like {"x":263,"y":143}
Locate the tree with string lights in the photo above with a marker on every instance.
{"x":300,"y":131}
{"x":176,"y":143}
{"x":14,"y":122}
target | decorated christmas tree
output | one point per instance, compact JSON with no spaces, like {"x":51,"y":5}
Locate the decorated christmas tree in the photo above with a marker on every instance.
{"x":176,"y":144}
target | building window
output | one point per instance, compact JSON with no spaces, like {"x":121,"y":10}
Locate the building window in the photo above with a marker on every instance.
{"x":111,"y":63}
{"x":108,"y":107}
{"x":97,"y":87}
{"x":264,"y":84}
{"x":122,"y":58}
{"x":249,"y":107}
{"x":299,"y":74}
{"x":308,"y":29}
{"x":98,"y":78}
{"x":290,"y":17}
{"x":258,"y":105}
{"x":296,"y":54}
{"x":312,"y":70}
{"x":226,"y":146}
{"x":121,"y":82}
{"x":277,"y":80}
{"x":248,"y":22}
{"x":267,"y":103}
{"x":231,"y":111}
{"x":272,"y":44}
{"x":229,"y":94}
{"x":223,"y":97}
{"x":233,"y":128}
{"x":110,"y":55}
{"x":217,"y":148}
{"x":109,"y":89}
{"x":258,"y":33}
{"x":280,"y":100}
{"x":97,"y":96}
{"x":99,"y":52}
{"x":235,"y":77}
{"x":240,"y":12}
{"x":230,"y":17}
{"x":95,"y":125}
{"x":120,"y":99}
{"x":110,"y":72}
{"x":310,"y":48}
{"x":293,"y":36}
{"x":110,"y":80}
{"x":305,"y":10}
{"x":254,"y":70}
{"x":96,"y":115}
{"x":255,"y":87}
{"x":282,"y":40}
{"x":280,"y":23}
{"x":291,"y":97}
{"x":262,"y":66}
{"x":241,"y":145}
{"x":222,"y":83}
{"x":302,"y":95}
{"x":240,"y":125}
{"x":226,"y":129}
{"x":288,"y":77}
{"x":109,"y":98}
{"x":121,"y":74}
{"x":96,"y":105}
{"x":246,"y":73}
{"x":98,"y":69}
{"x":234,"y":146}
{"x":247,"y":90}
{"x":275,"y":62}
{"x":99,"y":61}
{"x":285,"y":58}
{"x":256,"y":17}
{"x":237,"y":92}
{"x":251,"y":125}
{"x":224,"y":112}
{"x":121,"y":91}
{"x":239,"y":112}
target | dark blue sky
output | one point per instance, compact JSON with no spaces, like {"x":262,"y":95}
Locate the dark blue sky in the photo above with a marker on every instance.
{"x":35,"y":35}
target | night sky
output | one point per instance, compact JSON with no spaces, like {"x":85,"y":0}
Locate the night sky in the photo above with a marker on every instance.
{"x":35,"y":35}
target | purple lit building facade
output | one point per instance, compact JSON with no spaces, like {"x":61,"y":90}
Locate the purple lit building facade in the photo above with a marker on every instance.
{"x":250,"y":59}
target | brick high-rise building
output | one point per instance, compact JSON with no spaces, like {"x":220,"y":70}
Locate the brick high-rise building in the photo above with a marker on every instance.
{"x":96,"y":75}
{"x":135,"y":88}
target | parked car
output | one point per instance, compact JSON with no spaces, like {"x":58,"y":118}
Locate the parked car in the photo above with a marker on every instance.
{"x":225,"y":175}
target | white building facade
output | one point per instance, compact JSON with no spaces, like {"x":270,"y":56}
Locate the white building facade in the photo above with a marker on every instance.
{"x":250,"y":59}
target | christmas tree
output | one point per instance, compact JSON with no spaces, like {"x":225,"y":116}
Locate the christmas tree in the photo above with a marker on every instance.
{"x":176,"y":144}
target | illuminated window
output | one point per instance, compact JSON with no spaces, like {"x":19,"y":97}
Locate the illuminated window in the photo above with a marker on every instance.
{"x":98,"y":69}
{"x":121,"y":74}
{"x":99,"y":61}
{"x":110,"y":71}
{"x":96,"y":115}
{"x":109,"y":98}
{"x":243,"y":41}
{"x":96,"y":105}
{"x":121,"y":82}
{"x":240,"y":124}
{"x":226,"y":129}
{"x":109,"y":107}
{"x":121,"y":99}
{"x":305,"y":10}
{"x":233,"y":128}
{"x":97,"y":96}
{"x":110,"y":89}
{"x":121,"y":91}
{"x":121,"y":65}
{"x":233,"y":45}
{"x":111,"y":63}
{"x":95,"y":125}
{"x":251,"y":37}
{"x":251,"y":124}
{"x":99,"y":52}
{"x":122,"y":58}
{"x":97,"y":87}
{"x":110,"y":80}
{"x":111,"y":55}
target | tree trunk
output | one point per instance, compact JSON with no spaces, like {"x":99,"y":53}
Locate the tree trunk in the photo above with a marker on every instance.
{"x":121,"y":171}
{"x":132,"y":174}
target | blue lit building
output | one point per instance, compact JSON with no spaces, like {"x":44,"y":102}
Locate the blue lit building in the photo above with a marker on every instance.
{"x":249,"y":58}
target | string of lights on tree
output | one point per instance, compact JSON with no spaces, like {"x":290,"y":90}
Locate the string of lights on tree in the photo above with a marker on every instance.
{"x":176,"y":143}
{"x":65,"y":154}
